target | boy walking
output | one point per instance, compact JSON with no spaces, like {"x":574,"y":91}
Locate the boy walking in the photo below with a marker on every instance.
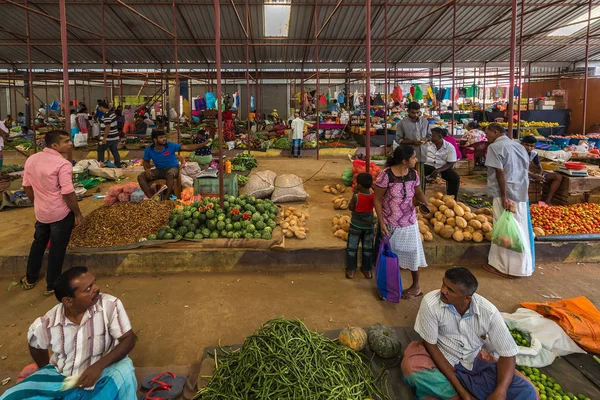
{"x":361,"y":228}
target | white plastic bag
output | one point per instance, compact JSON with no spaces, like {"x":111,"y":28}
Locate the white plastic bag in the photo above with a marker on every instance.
{"x":80,"y":140}
{"x":535,"y":355}
{"x":548,"y":332}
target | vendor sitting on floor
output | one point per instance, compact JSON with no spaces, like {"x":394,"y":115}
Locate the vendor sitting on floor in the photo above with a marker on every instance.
{"x":163,"y":155}
{"x":451,"y":363}
{"x":441,"y":158}
{"x":536,"y":172}
{"x":90,"y":336}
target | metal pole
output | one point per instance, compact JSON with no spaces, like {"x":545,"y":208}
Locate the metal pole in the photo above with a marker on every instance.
{"x":247,"y":77}
{"x":386,"y":91}
{"x":317,"y":93}
{"x":452,"y":91}
{"x":191,"y":99}
{"x":65,"y":66}
{"x":218,"y":95}
{"x":103,"y":48}
{"x":520,"y":69}
{"x":511,"y":85}
{"x":440,"y":91}
{"x":30,"y":79}
{"x":167,"y":108}
{"x":587,"y":61}
{"x":528,"y":85}
{"x":177,"y":88}
{"x":368,"y":72}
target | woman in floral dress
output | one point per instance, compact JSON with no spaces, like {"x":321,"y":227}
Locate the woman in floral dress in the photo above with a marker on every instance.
{"x":395,"y":189}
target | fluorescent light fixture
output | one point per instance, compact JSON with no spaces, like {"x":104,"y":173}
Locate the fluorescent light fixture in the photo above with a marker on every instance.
{"x":577,"y":24}
{"x":276,"y":17}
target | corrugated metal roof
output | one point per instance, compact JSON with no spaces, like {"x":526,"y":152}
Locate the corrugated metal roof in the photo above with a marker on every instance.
{"x":483,"y":30}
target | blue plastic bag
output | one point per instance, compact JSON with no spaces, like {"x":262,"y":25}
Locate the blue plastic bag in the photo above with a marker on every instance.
{"x":387,"y":272}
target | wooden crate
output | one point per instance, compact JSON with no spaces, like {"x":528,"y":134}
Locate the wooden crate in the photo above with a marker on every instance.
{"x":464,"y":167}
{"x":535,"y":192}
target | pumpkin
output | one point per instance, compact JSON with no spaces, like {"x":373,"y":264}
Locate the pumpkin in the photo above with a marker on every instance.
{"x":384,"y":341}
{"x":353,"y":337}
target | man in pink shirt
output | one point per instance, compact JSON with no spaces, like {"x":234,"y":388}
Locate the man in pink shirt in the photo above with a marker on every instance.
{"x":48,"y":181}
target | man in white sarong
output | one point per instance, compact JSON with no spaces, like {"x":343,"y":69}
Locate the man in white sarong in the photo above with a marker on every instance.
{"x":507,"y":184}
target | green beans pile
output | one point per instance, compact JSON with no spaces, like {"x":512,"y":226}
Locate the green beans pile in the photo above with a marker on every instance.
{"x":284,"y":360}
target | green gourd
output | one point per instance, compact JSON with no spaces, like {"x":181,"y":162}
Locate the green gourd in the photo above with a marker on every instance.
{"x":384,"y":341}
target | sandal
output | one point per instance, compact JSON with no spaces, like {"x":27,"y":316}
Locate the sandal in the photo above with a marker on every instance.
{"x":350,"y":273}
{"x":367,"y":273}
{"x":26,"y":285}
{"x":49,"y":293}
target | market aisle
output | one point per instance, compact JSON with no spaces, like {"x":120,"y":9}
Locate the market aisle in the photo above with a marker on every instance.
{"x":177,"y":316}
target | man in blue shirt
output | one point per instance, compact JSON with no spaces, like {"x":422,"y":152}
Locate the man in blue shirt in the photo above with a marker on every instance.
{"x":163,"y":155}
{"x":335,"y":107}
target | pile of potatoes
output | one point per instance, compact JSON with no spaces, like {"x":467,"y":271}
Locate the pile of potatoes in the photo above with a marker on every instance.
{"x":293,"y":223}
{"x":340,"y":203}
{"x":341,"y":226}
{"x":456,"y":220}
{"x":334,"y":189}
{"x":426,"y":235}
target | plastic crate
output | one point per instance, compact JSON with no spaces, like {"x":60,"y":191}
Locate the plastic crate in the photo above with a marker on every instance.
{"x":80,"y":176}
{"x":210,"y":186}
{"x":562,"y":142}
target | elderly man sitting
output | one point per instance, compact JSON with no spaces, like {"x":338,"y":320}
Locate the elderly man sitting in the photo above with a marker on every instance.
{"x":450,"y":363}
{"x":90,"y":336}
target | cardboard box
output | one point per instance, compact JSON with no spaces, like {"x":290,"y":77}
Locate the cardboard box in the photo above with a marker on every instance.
{"x":547,"y":103}
{"x":558,"y":92}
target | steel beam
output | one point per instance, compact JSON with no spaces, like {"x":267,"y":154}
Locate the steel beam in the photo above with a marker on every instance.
{"x":511,"y":86}
{"x":218,"y":95}
{"x":368,"y":83}
{"x":65,"y":65}
{"x":520,"y":69}
{"x":317,"y":93}
{"x":177,"y":88}
{"x":31,"y":122}
{"x":142,"y":16}
{"x":247,"y":9}
{"x":587,"y":60}
{"x":453,"y":90}
{"x":386,"y":87}
{"x":103,"y":48}
{"x":335,"y":9}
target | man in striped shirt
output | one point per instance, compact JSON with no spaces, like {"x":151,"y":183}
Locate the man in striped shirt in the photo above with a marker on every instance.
{"x":90,"y":337}
{"x":109,"y":136}
{"x":451,"y":362}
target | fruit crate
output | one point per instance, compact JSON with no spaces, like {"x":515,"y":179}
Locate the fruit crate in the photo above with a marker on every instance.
{"x":209,"y":187}
{"x":80,"y":176}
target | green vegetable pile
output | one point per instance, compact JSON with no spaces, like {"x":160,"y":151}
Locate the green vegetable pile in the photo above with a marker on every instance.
{"x":284,"y":360}
{"x":241,"y":217}
{"x":243,"y":162}
{"x":477,"y":201}
{"x":21,"y":143}
{"x":282,"y":143}
{"x":242,"y":180}
{"x":7,"y":169}
{"x":521,"y":338}
{"x":549,"y":389}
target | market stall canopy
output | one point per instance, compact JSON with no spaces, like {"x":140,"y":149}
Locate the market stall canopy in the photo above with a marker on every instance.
{"x":138,"y":33}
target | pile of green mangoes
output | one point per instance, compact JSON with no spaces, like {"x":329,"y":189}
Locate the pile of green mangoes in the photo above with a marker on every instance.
{"x":549,"y":389}
{"x":521,"y":338}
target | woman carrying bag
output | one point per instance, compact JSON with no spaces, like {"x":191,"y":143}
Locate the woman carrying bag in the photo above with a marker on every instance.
{"x":395,"y":190}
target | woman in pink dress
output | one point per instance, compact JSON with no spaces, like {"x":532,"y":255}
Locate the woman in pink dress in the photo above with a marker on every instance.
{"x":450,"y":139}
{"x":395,"y":189}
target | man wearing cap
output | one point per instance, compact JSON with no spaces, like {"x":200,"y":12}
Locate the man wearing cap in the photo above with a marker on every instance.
{"x":163,"y":155}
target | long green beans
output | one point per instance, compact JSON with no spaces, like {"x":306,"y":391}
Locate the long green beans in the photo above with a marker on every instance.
{"x":284,"y":360}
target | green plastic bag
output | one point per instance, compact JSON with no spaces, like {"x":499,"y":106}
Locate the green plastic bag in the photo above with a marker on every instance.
{"x":506,"y":233}
{"x":347,"y":176}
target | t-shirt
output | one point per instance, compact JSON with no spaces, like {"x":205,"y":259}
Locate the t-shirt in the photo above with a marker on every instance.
{"x":73,"y":121}
{"x":437,"y":158}
{"x":128,"y":115}
{"x":362,"y":215}
{"x":110,"y":119}
{"x":202,"y":151}
{"x":418,"y":130}
{"x":512,"y":158}
{"x":534,"y":157}
{"x":82,"y":120}
{"x":165,"y":158}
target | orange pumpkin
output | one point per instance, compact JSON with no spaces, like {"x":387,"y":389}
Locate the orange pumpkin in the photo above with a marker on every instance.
{"x":353,"y":337}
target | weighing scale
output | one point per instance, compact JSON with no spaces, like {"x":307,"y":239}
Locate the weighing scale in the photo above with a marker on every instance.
{"x":209,"y":173}
{"x":582,"y":173}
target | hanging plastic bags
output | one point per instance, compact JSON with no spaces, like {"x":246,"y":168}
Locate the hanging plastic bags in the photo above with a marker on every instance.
{"x":210,"y":100}
{"x":387,"y":272}
{"x":397,"y":94}
{"x":506,"y":233}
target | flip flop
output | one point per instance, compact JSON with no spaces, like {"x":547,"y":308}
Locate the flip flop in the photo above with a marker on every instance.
{"x":407,"y":296}
{"x":348,"y":276}
{"x":26,"y":285}
{"x":158,"y":393}
{"x":494,"y":271}
{"x":367,"y":273}
{"x":174,"y":384}
{"x":49,"y":293}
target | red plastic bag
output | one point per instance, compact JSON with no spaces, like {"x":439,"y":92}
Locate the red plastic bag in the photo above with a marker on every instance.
{"x":115,"y":190}
{"x":359,"y":166}
{"x":123,"y":197}
{"x":130,"y":187}
{"x":110,"y":200}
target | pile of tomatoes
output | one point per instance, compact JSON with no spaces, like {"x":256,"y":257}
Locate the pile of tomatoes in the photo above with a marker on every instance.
{"x":558,"y":220}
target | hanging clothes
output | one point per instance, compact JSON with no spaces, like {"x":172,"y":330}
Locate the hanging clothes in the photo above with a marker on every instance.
{"x":197,"y":101}
{"x":234,"y":105}
{"x":237,"y":100}
{"x":211,"y":100}
{"x":356,"y":99}
{"x":327,"y":97}
{"x":397,"y":94}
{"x":373,"y":88}
{"x":418,"y":94}
{"x":341,"y":97}
{"x":412,"y":91}
{"x":202,"y":104}
{"x":252,"y":105}
{"x":516,"y":91}
{"x":335,"y":94}
{"x":323,"y":99}
{"x":462,"y":92}
{"x":378,"y":101}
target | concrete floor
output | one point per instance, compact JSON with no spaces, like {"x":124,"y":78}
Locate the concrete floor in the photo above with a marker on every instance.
{"x":177,"y":316}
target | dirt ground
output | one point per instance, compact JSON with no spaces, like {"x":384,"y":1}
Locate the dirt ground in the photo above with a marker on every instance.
{"x":177,"y":316}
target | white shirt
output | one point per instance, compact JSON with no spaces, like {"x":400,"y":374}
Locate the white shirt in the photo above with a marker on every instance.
{"x":460,"y":338}
{"x":298,"y":128}
{"x":76,"y":347}
{"x":73,"y":120}
{"x":512,"y":158}
{"x":438,"y":158}
{"x":3,"y":128}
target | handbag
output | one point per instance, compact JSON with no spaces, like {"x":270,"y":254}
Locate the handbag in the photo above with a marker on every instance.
{"x":387,"y":273}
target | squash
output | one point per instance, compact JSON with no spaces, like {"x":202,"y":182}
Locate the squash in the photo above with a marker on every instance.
{"x":443,"y":208}
{"x":538,"y":231}
{"x":423,"y":228}
{"x":458,"y":210}
{"x":449,"y":213}
{"x":461,"y":222}
{"x":490,"y":219}
{"x":437,"y":203}
{"x":433,"y":221}
{"x":422,"y":237}
{"x":469,"y":216}
{"x":464,"y":206}
{"x":488,"y":236}
{"x":486,"y":227}
{"x":428,"y":236}
{"x":450,"y":204}
{"x":451,"y":221}
{"x":447,"y":198}
{"x":458,"y":236}
{"x":475,"y":224}
{"x":384,"y":341}
{"x":481,"y":218}
{"x":468,"y":236}
{"x":438,"y":226}
{"x":438,"y":195}
{"x":353,"y":337}
{"x":470,"y":229}
{"x":477,"y":237}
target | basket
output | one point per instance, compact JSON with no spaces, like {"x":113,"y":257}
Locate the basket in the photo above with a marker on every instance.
{"x":562,"y":142}
{"x":576,"y":166}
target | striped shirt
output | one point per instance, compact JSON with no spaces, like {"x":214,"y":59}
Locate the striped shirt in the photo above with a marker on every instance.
{"x":76,"y":347}
{"x":460,"y":338}
{"x":110,"y":119}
